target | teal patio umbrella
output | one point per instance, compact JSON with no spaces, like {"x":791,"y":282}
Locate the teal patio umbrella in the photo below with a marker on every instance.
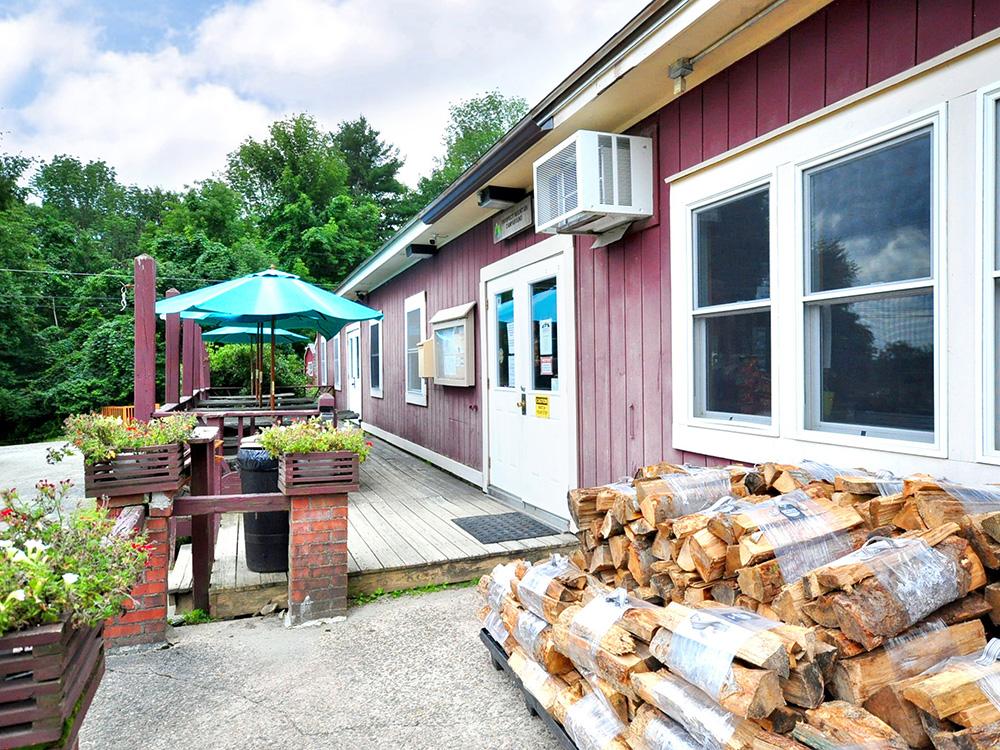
{"x":247,"y":334}
{"x":265,"y":298}
{"x":252,"y":334}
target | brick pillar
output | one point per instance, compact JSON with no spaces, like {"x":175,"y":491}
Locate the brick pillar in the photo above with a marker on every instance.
{"x":317,"y":557}
{"x":145,"y":619}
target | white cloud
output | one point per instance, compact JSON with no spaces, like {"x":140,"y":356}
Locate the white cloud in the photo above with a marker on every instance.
{"x":169,"y":116}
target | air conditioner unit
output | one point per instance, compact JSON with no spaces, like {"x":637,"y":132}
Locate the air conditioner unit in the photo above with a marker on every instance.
{"x":593,"y":182}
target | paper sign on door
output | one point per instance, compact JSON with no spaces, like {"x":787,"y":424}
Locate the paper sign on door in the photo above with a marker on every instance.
{"x":542,"y":407}
{"x":545,"y":337}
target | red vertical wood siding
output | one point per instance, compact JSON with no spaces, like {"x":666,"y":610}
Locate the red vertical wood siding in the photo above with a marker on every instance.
{"x":625,"y":406}
{"x":623,"y":291}
{"x":451,"y":423}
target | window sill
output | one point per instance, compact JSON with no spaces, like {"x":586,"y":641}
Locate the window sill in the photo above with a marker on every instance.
{"x":375,"y":394}
{"x":416,"y":399}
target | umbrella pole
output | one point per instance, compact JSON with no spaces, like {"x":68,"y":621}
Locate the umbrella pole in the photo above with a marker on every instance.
{"x":260,"y":364}
{"x":272,"y":363}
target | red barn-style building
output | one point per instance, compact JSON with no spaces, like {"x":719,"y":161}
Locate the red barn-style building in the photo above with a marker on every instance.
{"x":809,"y":270}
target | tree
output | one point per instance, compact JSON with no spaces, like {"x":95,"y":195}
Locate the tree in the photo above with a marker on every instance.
{"x":12,"y":169}
{"x":82,"y":193}
{"x":297,"y":158}
{"x":474,"y":126}
{"x":372,"y":164}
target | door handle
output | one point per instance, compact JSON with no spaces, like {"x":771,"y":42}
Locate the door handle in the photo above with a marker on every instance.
{"x":523,"y":403}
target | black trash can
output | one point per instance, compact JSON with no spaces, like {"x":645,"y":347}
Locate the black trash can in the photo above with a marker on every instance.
{"x":265,"y":535}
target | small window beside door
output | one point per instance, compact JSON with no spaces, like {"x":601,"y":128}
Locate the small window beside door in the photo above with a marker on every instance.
{"x":375,"y":358}
{"x":415,"y":321}
{"x":545,"y":335}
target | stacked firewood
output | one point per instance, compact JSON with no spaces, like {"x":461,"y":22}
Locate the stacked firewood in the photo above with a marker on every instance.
{"x":775,"y":607}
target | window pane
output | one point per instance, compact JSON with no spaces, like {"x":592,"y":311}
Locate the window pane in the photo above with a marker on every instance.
{"x":505,"y":340}
{"x":544,"y":336}
{"x":876,"y":362}
{"x":869,"y":216}
{"x":374,"y":351}
{"x":996,"y":364}
{"x":413,"y":332}
{"x":733,"y":244}
{"x":737,"y":363}
{"x":413,"y":372}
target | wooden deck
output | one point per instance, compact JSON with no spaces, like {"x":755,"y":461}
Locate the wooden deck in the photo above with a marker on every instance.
{"x":400,"y":536}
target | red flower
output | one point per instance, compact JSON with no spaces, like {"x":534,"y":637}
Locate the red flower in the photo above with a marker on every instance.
{"x":369,"y":443}
{"x":6,"y":512}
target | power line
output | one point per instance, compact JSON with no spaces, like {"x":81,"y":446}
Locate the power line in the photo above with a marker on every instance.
{"x":112,"y":270}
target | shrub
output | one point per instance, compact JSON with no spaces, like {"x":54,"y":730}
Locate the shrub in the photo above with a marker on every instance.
{"x":101,"y":438}
{"x":315,"y":435}
{"x":230,"y":365}
{"x":55,"y":565}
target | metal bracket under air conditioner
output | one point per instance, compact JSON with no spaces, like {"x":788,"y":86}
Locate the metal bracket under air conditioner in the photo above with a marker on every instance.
{"x":612,"y":235}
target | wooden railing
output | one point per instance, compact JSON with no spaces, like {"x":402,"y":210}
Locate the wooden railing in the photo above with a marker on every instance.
{"x":125,"y":413}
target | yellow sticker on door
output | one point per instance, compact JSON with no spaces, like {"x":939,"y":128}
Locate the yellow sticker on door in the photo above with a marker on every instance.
{"x":542,"y":407}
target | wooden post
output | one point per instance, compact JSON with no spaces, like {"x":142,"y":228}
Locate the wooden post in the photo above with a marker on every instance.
{"x":188,"y":358}
{"x":203,"y":482}
{"x":206,"y":367}
{"x":145,"y":337}
{"x":199,"y":354}
{"x":172,"y":390}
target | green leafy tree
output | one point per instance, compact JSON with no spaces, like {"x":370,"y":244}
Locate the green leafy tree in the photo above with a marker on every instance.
{"x":372,"y":164}
{"x":12,"y":169}
{"x":474,"y":126}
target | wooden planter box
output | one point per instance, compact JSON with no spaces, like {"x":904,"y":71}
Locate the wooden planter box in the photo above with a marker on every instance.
{"x":48,"y":677}
{"x":318,"y":473}
{"x":157,"y":468}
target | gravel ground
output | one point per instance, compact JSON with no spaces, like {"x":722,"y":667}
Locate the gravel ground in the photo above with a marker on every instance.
{"x":406,"y":673}
{"x":21,"y":466}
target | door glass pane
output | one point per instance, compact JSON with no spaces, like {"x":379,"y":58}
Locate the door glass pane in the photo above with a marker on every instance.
{"x":505,"y":340}
{"x":996,"y":189}
{"x":869,"y":216}
{"x":374,"y":349}
{"x":544,"y":336}
{"x":737,"y":363}
{"x":876,"y":362}
{"x":732,"y":246}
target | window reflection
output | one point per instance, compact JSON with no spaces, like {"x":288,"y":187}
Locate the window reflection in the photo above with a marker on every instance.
{"x":869,"y":216}
{"x":738,"y":364}
{"x":877,"y":361}
{"x":733,"y":248}
{"x":506,"y":377}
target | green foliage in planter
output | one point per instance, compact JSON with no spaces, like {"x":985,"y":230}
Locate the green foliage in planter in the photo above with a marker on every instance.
{"x":56,"y":565}
{"x":314,"y":435}
{"x":101,"y":438}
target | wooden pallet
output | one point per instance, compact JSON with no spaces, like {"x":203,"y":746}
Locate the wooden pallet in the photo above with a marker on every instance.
{"x":500,"y":663}
{"x":318,"y":473}
{"x":156,"y":468}
{"x":48,"y":675}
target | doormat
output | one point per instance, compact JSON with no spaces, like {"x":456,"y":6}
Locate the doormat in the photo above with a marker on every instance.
{"x":503,"y":527}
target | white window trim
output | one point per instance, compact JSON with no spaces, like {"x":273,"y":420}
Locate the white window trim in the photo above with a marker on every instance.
{"x":697,"y":414}
{"x":807,"y":383}
{"x":944,"y":94}
{"x":324,"y":376}
{"x":417,"y":301}
{"x":987,"y":252}
{"x":336,"y":362}
{"x":375,"y":392}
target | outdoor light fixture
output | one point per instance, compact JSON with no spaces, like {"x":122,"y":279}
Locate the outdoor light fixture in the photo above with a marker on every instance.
{"x":422,"y":251}
{"x":679,"y":70}
{"x":495,"y":196}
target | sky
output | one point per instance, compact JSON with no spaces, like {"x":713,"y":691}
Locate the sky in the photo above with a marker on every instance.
{"x":162,"y":91}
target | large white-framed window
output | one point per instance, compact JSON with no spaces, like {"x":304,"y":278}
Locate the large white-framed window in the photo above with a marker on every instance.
{"x":336,"y":362}
{"x":989,"y":244}
{"x":415,"y":331}
{"x":859,"y":296}
{"x":869,"y":247}
{"x":731,"y":247}
{"x":375,"y":358}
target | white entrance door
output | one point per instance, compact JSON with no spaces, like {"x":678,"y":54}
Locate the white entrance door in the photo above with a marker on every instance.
{"x":531,"y":402}
{"x":354,"y":368}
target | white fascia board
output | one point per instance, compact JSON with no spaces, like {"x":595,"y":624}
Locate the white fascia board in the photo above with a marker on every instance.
{"x":395,"y":247}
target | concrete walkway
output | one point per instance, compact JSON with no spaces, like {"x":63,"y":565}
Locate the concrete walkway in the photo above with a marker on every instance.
{"x":22,"y":466}
{"x":406,"y":673}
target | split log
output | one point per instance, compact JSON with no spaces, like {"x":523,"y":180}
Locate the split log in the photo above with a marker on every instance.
{"x":946,"y":693}
{"x":843,"y":724}
{"x":653,"y":730}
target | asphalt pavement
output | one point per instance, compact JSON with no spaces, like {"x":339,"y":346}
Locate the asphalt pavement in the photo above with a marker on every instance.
{"x":406,"y":674}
